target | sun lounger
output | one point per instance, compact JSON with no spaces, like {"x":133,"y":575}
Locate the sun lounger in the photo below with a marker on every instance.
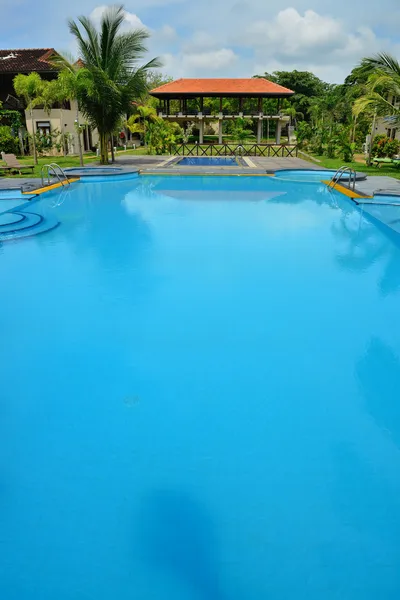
{"x":13,"y":163}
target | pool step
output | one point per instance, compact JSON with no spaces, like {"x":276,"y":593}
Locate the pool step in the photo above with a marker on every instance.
{"x":18,"y":224}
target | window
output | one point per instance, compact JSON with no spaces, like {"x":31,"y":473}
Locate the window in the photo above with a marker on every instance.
{"x":43,"y":127}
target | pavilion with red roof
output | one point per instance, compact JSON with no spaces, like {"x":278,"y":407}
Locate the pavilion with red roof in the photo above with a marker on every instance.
{"x":183,"y":100}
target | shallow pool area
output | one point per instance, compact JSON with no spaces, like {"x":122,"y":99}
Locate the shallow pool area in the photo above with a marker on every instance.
{"x":77,"y":171}
{"x":312,"y":175}
{"x":210,"y":161}
{"x":199,"y":394}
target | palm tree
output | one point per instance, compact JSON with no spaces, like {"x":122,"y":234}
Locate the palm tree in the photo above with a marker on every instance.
{"x":110,"y":79}
{"x":139,"y":122}
{"x":67,"y":87}
{"x":31,"y":88}
{"x":381,"y":89}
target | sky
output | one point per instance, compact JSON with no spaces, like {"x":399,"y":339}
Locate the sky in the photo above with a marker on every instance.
{"x":226,"y":38}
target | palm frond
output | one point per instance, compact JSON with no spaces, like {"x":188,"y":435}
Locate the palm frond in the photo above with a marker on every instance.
{"x":383,"y":62}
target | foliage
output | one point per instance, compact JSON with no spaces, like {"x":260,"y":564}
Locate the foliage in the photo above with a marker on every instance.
{"x":381,"y":88}
{"x":140,"y":121}
{"x":304,"y":133}
{"x":110,"y":80}
{"x":241,"y":131}
{"x":12,"y":118}
{"x":187,"y":133}
{"x":384,"y":146}
{"x":8,"y":142}
{"x":162,"y":136}
{"x":154,"y":79}
{"x":31,"y":88}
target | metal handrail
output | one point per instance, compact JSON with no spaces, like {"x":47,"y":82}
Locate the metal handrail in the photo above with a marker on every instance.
{"x":338,"y":175}
{"x":53,"y":167}
{"x":56,"y":166}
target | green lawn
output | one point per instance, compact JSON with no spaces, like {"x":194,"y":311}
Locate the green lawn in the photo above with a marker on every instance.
{"x":336,"y":163}
{"x":67,"y":161}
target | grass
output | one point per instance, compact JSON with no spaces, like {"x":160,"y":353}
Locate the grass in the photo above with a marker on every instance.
{"x":63,"y":161}
{"x":336,"y":163}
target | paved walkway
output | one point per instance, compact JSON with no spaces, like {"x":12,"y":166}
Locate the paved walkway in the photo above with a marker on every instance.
{"x":279,"y":162}
{"x":383,"y":183}
{"x":17,"y":183}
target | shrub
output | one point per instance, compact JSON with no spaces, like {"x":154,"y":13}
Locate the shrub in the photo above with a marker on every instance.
{"x":392,"y":147}
{"x":8,"y":143}
{"x":383,"y":146}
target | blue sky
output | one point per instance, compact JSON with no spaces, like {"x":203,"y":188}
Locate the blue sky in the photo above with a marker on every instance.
{"x":231,"y":38}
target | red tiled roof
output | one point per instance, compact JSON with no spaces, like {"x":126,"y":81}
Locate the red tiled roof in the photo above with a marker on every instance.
{"x":26,"y":60}
{"x":205,"y":87}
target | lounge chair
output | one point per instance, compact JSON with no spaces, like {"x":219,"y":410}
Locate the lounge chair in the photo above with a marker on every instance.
{"x":13,"y":163}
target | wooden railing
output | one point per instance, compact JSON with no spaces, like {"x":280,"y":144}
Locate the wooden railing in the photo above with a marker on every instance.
{"x":268,"y":150}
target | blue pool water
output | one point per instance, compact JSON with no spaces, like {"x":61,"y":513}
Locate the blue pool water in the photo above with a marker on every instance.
{"x":311,"y":175}
{"x":211,"y":161}
{"x":93,"y":170}
{"x":200,"y":395}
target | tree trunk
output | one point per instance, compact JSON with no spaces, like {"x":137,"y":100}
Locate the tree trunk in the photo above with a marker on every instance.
{"x":35,"y":159}
{"x":62,"y":131}
{"x":112,"y":148}
{"x":353,"y":134}
{"x":103,"y":148}
{"x":78,"y":131}
{"x":369,"y":157}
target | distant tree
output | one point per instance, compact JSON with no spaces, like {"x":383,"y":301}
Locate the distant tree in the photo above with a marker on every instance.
{"x":305,"y":84}
{"x":31,"y":88}
{"x":67,"y":88}
{"x":301,"y":82}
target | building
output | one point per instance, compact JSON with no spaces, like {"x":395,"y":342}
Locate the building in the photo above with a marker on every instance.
{"x":183,"y":100}
{"x":386,"y":125}
{"x":60,"y":119}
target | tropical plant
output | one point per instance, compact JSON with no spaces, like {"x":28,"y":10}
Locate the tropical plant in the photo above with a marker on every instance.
{"x":110,"y":79}
{"x":293,"y":114}
{"x":381,"y":89}
{"x":240,"y":131}
{"x":344,"y":146}
{"x":162,"y":136}
{"x":8,"y":142}
{"x":187,"y":133}
{"x":31,"y":88}
{"x":139,"y":122}
{"x":383,"y":146}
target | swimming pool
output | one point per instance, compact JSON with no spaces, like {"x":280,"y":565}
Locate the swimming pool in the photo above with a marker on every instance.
{"x":211,"y":161}
{"x":313,"y":175}
{"x":199,"y":395}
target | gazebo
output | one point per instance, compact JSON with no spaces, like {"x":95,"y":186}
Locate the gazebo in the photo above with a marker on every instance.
{"x":189,"y":92}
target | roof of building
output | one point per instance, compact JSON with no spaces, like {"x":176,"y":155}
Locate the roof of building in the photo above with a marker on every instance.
{"x":26,"y":60}
{"x":221,"y":87}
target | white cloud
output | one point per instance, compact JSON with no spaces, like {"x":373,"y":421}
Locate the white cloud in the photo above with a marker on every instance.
{"x":200,"y":41}
{"x":290,"y":33}
{"x":167,"y":33}
{"x":199,"y":63}
{"x":132,"y":21}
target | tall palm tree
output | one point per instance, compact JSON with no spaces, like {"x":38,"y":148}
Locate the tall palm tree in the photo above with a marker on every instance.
{"x":110,"y":78}
{"x":382,"y":87}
